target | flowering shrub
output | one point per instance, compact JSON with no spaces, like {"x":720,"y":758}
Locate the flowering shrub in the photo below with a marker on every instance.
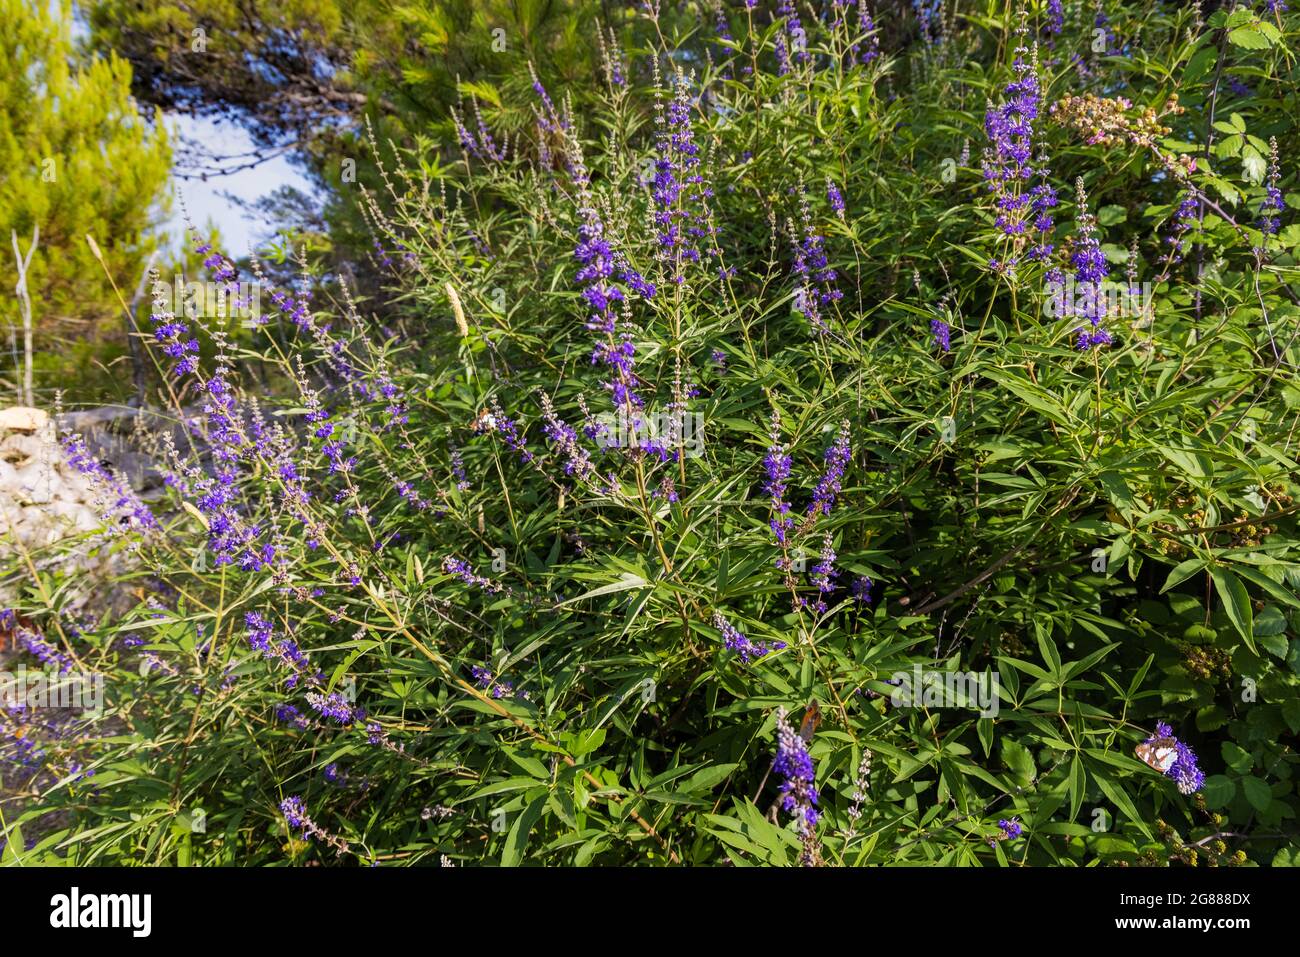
{"x":966,"y":563}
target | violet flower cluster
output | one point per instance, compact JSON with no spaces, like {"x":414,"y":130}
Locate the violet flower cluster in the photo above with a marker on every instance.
{"x":824,"y":574}
{"x":1102,"y":22}
{"x":37,"y":645}
{"x":1055,"y":17}
{"x":289,"y":714}
{"x":679,"y":190}
{"x":813,"y":273}
{"x":173,"y":337}
{"x":614,"y":349}
{"x":548,"y":118}
{"x":484,"y":678}
{"x":941,"y":334}
{"x":792,"y":40}
{"x":462,"y":570}
{"x":736,"y":640}
{"x":835,"y":198}
{"x":296,"y":814}
{"x":837,"y":457}
{"x":1009,"y":166}
{"x":116,"y":493}
{"x":458,"y":469}
{"x":261,"y":638}
{"x":1185,"y":769}
{"x":295,"y":308}
{"x":577,"y":461}
{"x":483,"y":147}
{"x":1091,"y":271}
{"x":776,"y":465}
{"x":222,"y":269}
{"x":335,"y":706}
{"x":611,"y":59}
{"x":231,"y":538}
{"x":1183,"y":221}
{"x":793,"y":765}
{"x":508,"y":429}
{"x":866,"y":28}
{"x":927,"y":12}
{"x":1273,"y":203}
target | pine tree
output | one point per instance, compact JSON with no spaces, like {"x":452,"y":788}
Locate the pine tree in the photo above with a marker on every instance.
{"x":76,"y":158}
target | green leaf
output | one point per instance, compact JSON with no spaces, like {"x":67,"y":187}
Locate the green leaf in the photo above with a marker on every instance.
{"x":1287,"y":857}
{"x":1253,"y":167}
{"x":1110,"y":215}
{"x":708,"y":778}
{"x":584,"y":742}
{"x":587,"y":852}
{"x":14,"y":846}
{"x":1120,"y":494}
{"x":1211,"y":718}
{"x":1192,"y":464}
{"x":1078,"y":786}
{"x":1248,"y":38}
{"x":1236,"y":602}
{"x":517,"y":839}
{"x":1119,"y":797}
{"x":1182,"y":572}
{"x":1257,"y":793}
{"x":1279,"y":592}
{"x":1275,"y":645}
{"x":1017,"y":757}
{"x":1219,"y":790}
{"x":1047,"y":647}
{"x":626,"y":580}
{"x":501,"y":787}
{"x":1199,"y":65}
{"x":1236,"y":757}
{"x":1291,"y":714}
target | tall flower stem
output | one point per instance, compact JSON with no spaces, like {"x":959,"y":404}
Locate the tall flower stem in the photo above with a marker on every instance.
{"x":653,"y":526}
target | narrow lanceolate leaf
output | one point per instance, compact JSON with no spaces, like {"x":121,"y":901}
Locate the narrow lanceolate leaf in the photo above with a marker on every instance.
{"x":626,"y":581}
{"x":520,"y":830}
{"x":1236,"y":602}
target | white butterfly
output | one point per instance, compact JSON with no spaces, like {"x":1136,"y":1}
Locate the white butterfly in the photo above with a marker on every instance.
{"x":1159,"y":754}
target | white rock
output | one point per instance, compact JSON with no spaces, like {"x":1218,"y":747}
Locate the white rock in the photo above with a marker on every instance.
{"x":19,"y":448}
{"x":20,"y":418}
{"x":65,"y":491}
{"x":35,"y":483}
{"x":63,"y":510}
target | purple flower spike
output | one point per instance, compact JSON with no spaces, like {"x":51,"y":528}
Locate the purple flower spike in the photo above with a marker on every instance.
{"x":776,"y":464}
{"x":735,"y":640}
{"x":793,"y":765}
{"x":837,"y":460}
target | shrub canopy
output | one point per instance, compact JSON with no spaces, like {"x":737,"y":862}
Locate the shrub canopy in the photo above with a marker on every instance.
{"x":813,"y":443}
